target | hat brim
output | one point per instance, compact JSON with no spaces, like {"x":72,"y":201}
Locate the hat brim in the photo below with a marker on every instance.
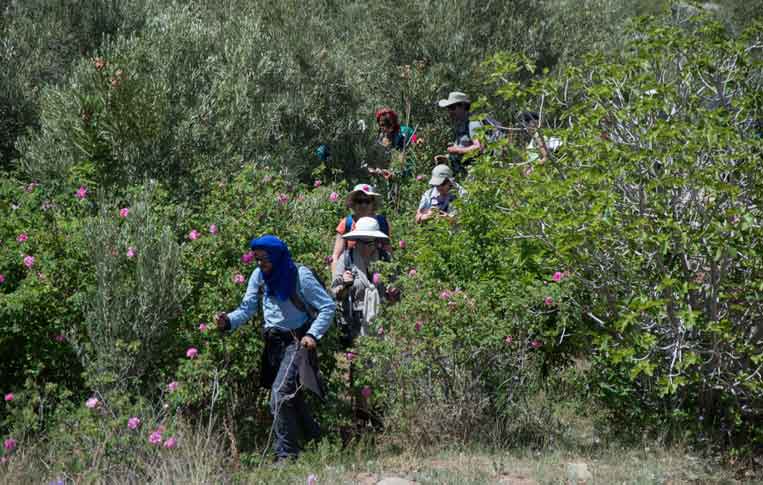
{"x":444,"y":103}
{"x":348,"y":200}
{"x":355,"y":235}
{"x":438,"y":180}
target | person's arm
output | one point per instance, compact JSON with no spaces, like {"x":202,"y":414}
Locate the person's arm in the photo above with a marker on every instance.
{"x":459,"y":150}
{"x":338,"y":249}
{"x":248,"y":306}
{"x":318,"y":298}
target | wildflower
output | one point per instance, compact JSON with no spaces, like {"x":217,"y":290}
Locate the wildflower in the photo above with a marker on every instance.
{"x":155,"y":438}
{"x":131,"y":252}
{"x":9,"y":444}
{"x":247,"y":257}
{"x":81,"y":192}
{"x":30,"y":187}
{"x":419,"y":178}
{"x":312,"y":480}
{"x":59,"y":338}
{"x":172,"y":386}
{"x":445,"y":295}
{"x":557,"y":277}
{"x":239,"y":279}
{"x":9,"y":397}
{"x":412,"y":272}
{"x":194,"y":235}
{"x":333,"y":197}
{"x":29,"y":261}
{"x":92,"y":402}
{"x":380,"y":332}
{"x":508,"y":340}
{"x":22,"y":237}
{"x":267,"y":179}
{"x":548,"y":301}
{"x":527,"y":171}
{"x":376,"y":278}
{"x":350,"y":356}
{"x":366,"y":392}
{"x":171,"y":442}
{"x":419,"y":324}
{"x":202,"y":327}
{"x":192,"y":352}
{"x":317,"y":184}
{"x":213,"y":229}
{"x":100,"y":63}
{"x":124,"y":212}
{"x":133,"y":423}
{"x":401,"y":244}
{"x":328,"y":259}
{"x":2,"y":278}
{"x":536,"y":344}
{"x":282,"y":199}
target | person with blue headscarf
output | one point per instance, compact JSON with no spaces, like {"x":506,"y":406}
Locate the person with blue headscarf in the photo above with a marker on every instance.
{"x":297,"y":312}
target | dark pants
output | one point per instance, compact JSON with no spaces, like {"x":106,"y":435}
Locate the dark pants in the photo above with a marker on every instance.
{"x":291,"y":415}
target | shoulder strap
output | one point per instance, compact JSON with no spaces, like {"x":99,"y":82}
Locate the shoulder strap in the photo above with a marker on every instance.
{"x":348,"y":224}
{"x":297,"y":299}
{"x":383,"y":224}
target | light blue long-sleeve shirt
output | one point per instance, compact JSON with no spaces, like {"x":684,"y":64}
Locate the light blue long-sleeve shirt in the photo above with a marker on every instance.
{"x":283,"y":314}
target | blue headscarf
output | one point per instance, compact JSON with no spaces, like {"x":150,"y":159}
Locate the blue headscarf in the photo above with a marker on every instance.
{"x":282,"y":280}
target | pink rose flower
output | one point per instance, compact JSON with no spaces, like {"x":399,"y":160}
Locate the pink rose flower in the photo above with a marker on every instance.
{"x":194,"y":235}
{"x":282,"y":199}
{"x":155,"y":438}
{"x":81,"y":192}
{"x":557,"y":277}
{"x":380,"y":332}
{"x":133,"y":422}
{"x":419,"y":178}
{"x":22,"y":237}
{"x":350,"y":356}
{"x":508,"y":340}
{"x":536,"y":344}
{"x":9,"y":397}
{"x":131,"y":252}
{"x":192,"y":352}
{"x":376,"y":278}
{"x":548,"y":301}
{"x":418,"y":325}
{"x":401,"y":244}
{"x":2,"y":278}
{"x":328,"y":259}
{"x":247,"y":257}
{"x":171,"y":442}
{"x":172,"y":386}
{"x":239,"y":279}
{"x":92,"y":403}
{"x":317,"y":184}
{"x":30,"y":187}
{"x":202,"y":327}
{"x":213,"y":229}
{"x":445,"y":295}
{"x":59,"y":338}
{"x":412,"y":272}
{"x":333,"y":197}
{"x":527,"y":171}
{"x":9,"y":444}
{"x":124,"y":212}
{"x":366,"y":392}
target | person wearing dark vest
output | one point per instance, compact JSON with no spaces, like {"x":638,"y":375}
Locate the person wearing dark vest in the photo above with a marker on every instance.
{"x":465,"y":144}
{"x":297,"y":311}
{"x":362,"y":202}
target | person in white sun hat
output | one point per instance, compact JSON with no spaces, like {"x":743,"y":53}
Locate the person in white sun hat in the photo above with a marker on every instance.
{"x":353,"y":285}
{"x":465,"y":143}
{"x":362,"y":201}
{"x":438,"y":200}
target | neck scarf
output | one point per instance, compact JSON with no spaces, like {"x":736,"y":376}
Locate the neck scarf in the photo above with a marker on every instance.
{"x":282,"y":279}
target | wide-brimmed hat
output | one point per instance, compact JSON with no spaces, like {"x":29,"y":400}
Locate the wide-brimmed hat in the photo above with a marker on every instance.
{"x":366,"y":228}
{"x":440,"y":174}
{"x":365,"y":189}
{"x":455,"y":97}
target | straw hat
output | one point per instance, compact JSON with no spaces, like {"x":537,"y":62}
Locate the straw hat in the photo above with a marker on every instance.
{"x":365,"y":189}
{"x":366,"y":228}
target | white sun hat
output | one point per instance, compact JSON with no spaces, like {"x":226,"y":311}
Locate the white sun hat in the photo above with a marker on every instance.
{"x":454,"y":98}
{"x":366,"y":228}
{"x":362,"y":188}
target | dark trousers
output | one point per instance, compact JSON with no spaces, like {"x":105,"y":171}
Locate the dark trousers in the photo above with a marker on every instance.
{"x":291,"y":415}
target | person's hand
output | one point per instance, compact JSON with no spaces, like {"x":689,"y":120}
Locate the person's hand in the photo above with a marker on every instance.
{"x":222,"y":321}
{"x":308,"y":342}
{"x":347,"y":278}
